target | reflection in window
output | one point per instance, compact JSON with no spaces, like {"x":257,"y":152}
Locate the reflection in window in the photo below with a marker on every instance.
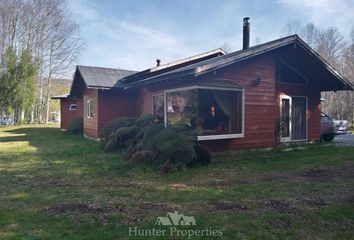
{"x":90,"y":108}
{"x":158,"y":106}
{"x":209,"y":111}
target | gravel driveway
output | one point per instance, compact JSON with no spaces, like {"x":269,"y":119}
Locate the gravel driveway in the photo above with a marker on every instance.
{"x":344,"y":140}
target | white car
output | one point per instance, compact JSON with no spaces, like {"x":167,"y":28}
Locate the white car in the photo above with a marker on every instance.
{"x":340,"y":126}
{"x":6,"y":121}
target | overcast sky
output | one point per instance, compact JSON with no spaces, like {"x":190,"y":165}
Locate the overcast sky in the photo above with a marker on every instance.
{"x":131,"y":34}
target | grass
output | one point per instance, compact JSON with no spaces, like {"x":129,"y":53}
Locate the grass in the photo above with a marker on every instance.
{"x":59,"y":186}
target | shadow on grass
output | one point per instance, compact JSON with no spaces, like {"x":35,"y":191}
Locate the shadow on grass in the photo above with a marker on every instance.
{"x":62,"y":152}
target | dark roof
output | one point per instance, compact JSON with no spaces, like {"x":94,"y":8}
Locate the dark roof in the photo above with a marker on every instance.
{"x":171,"y":66}
{"x":63,"y":96}
{"x":225,"y":60}
{"x":102,"y":77}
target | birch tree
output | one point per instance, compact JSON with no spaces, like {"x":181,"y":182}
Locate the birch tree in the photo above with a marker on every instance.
{"x":46,"y":29}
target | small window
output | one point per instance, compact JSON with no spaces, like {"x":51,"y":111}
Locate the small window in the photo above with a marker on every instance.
{"x":90,"y":108}
{"x":73,"y":107}
{"x":290,"y":75}
{"x":158,"y":106}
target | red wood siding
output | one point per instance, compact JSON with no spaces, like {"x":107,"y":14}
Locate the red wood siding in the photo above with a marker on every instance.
{"x":114,"y":104}
{"x":260,"y":115}
{"x":66,"y":115}
{"x":91,"y":124}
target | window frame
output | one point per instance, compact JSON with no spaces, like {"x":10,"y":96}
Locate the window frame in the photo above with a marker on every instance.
{"x":211,"y":137}
{"x":89,"y":113}
{"x":71,"y":107}
{"x":282,"y":62}
{"x":290,"y":98}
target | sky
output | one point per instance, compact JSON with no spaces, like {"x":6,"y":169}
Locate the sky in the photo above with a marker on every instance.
{"x":132,"y":34}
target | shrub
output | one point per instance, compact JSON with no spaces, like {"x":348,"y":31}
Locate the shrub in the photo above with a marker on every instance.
{"x":120,"y":138}
{"x":167,"y":149}
{"x":114,"y":124}
{"x":202,"y":155}
{"x":76,"y":126}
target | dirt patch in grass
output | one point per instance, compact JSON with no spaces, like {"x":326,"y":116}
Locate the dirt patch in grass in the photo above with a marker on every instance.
{"x":221,"y":206}
{"x":82,"y":208}
{"x":138,"y":214}
{"x":132,"y":215}
{"x":313,"y":202}
{"x":44,"y":182}
{"x":121,"y":184}
{"x":222,"y":182}
{"x":279,"y":206}
{"x":282,"y":222}
{"x":329,"y":173}
{"x":319,"y":174}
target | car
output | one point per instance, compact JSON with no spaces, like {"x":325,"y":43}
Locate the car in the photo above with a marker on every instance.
{"x":327,"y":128}
{"x":6,"y":121}
{"x":341,"y":126}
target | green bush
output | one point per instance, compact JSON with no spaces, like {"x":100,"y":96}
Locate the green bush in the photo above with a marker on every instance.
{"x":76,"y":126}
{"x":167,"y":149}
{"x":114,"y":124}
{"x":120,"y":138}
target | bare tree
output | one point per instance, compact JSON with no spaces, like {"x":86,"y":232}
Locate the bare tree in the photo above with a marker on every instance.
{"x":331,"y":45}
{"x":47,"y":30}
{"x":291,"y":27}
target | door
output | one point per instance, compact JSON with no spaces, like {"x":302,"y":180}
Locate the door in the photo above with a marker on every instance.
{"x":293,"y":116}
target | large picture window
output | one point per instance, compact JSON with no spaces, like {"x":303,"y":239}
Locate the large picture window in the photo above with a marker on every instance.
{"x":213,"y":113}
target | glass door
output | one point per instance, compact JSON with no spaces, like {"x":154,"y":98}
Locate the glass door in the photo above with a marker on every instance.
{"x":285,"y":114}
{"x":293,"y":118}
{"x":299,"y":118}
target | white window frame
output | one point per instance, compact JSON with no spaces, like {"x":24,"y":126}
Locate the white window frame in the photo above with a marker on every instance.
{"x":73,"y":107}
{"x":288,"y":139}
{"x":211,"y":137}
{"x":89,"y":113}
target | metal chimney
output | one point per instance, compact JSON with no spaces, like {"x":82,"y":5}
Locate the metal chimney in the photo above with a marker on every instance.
{"x":246,"y":33}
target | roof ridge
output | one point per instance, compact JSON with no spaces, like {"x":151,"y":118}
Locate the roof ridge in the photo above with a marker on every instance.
{"x":106,"y":68}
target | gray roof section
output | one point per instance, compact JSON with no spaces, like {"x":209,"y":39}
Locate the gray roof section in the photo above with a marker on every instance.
{"x":102,"y":77}
{"x":63,"y":96}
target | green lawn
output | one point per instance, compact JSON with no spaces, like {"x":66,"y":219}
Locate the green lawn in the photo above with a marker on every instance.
{"x":58,"y":186}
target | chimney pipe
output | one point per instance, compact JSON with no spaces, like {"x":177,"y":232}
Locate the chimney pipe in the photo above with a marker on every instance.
{"x":158,"y":62}
{"x":246,"y":33}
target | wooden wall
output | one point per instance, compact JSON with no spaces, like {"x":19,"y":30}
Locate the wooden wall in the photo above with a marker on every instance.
{"x":114,"y":104}
{"x":66,"y":115}
{"x":91,"y":124}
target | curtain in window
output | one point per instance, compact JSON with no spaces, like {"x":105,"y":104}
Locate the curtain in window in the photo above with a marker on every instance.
{"x":230,"y":104}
